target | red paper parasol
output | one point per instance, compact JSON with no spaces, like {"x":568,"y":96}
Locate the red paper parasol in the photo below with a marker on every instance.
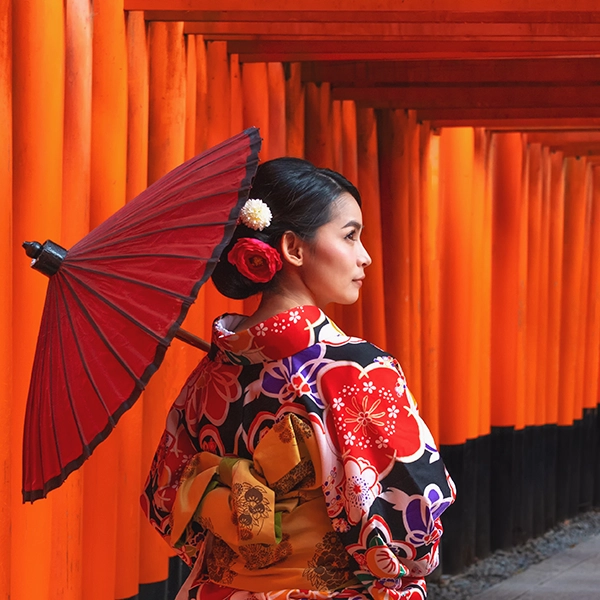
{"x":116,"y":300}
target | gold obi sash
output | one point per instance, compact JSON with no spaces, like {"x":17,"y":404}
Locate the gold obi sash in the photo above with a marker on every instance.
{"x":267,"y":517}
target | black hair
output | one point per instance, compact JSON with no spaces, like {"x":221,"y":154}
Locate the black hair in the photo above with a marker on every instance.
{"x":300,"y":197}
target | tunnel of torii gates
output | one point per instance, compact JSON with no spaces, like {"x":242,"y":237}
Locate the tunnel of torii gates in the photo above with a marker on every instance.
{"x":472,"y":130}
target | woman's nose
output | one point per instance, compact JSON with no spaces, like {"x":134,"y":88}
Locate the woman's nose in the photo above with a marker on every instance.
{"x":364,"y":258}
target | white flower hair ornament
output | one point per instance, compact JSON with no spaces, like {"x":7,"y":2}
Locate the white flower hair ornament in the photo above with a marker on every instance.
{"x":255,"y":214}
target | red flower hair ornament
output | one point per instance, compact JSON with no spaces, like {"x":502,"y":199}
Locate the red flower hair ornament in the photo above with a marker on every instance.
{"x":255,"y":259}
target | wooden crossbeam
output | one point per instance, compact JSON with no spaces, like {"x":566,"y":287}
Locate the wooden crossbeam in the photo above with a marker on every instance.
{"x":311,"y":50}
{"x":516,"y":124}
{"x":474,"y":96}
{"x":557,"y":138}
{"x":420,"y":9}
{"x":347,"y":17}
{"x":475,"y":116}
{"x":382,"y":30}
{"x":580,"y":71}
{"x":589,"y":149}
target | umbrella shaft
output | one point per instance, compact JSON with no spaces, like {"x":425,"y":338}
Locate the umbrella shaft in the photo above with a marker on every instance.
{"x":192,"y":340}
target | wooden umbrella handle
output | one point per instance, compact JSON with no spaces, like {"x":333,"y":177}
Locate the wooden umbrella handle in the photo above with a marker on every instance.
{"x":192,"y":340}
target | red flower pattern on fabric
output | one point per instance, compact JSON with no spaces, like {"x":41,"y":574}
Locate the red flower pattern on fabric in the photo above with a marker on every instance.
{"x":255,"y":259}
{"x":372,"y":412}
{"x":217,"y":388}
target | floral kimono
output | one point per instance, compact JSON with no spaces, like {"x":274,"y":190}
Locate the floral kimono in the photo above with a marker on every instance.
{"x":295,"y":465}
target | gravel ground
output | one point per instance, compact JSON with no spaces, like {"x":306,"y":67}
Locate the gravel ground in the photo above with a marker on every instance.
{"x":504,"y":563}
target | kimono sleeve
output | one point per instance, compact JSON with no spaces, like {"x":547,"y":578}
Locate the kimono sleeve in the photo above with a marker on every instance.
{"x":176,"y":450}
{"x":387,"y":487}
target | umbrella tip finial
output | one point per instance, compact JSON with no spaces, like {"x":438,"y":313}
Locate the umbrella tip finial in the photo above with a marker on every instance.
{"x":46,"y":257}
{"x":32,"y":249}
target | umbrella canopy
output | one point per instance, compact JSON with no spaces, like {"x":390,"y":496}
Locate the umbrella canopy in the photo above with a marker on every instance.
{"x":116,"y":300}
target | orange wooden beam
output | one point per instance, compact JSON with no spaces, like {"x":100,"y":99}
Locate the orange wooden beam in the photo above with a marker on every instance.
{"x":472,"y":116}
{"x":555,"y":138}
{"x":569,"y":70}
{"x":391,"y":29}
{"x":286,"y":50}
{"x":520,"y":124}
{"x":467,"y":10}
{"x":478,"y":96}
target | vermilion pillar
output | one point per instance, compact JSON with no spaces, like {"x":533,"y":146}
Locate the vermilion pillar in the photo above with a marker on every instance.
{"x":237,"y":101}
{"x":572,"y":306}
{"x":218,"y":93}
{"x":368,"y":182}
{"x":486,"y":284}
{"x":67,"y":536}
{"x":414,"y":237}
{"x":555,"y":282}
{"x":201,"y":95}
{"x":505,"y":282}
{"x":336,"y":136}
{"x":395,"y":225}
{"x":196,"y":70}
{"x":456,"y":180}
{"x":191,"y":81}
{"x":592,"y":360}
{"x":6,"y":304}
{"x":534,"y":272}
{"x":107,"y":195}
{"x":507,"y":274}
{"x":430,"y":282}
{"x":130,"y":431}
{"x":165,"y":151}
{"x":543,"y":299}
{"x":255,"y":86}
{"x":277,"y":119}
{"x":218,"y":128}
{"x":38,"y":73}
{"x":455,"y":403}
{"x":480,"y":284}
{"x":582,"y":350}
{"x":318,"y":141}
{"x":350,"y":316}
{"x":574,"y":242}
{"x":294,"y":110}
{"x":554,"y":290}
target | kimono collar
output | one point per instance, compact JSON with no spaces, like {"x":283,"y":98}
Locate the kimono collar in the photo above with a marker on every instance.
{"x":280,"y":336}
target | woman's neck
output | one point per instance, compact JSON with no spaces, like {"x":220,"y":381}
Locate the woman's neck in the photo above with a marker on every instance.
{"x":273,"y":304}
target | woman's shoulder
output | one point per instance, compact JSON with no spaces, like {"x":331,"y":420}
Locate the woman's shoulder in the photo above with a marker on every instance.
{"x":341,"y":347}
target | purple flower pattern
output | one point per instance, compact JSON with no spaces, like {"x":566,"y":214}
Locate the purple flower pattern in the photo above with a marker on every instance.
{"x":289,"y":378}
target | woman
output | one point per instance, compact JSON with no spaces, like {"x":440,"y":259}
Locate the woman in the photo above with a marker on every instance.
{"x":294,"y":463}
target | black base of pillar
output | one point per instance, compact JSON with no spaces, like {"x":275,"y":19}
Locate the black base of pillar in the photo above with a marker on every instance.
{"x":551,"y":451}
{"x":564,"y":464}
{"x":502,"y":487}
{"x":589,"y":467}
{"x":453,"y":546}
{"x":482,"y":534}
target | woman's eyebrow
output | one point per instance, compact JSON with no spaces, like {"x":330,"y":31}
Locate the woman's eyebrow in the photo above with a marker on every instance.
{"x":353,"y":224}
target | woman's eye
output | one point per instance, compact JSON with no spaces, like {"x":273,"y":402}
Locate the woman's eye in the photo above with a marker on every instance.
{"x":351,"y":235}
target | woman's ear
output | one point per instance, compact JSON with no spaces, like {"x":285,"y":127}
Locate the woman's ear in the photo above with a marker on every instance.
{"x":292,"y":248}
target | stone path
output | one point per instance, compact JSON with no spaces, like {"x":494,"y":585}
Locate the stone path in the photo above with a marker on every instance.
{"x":571,"y":574}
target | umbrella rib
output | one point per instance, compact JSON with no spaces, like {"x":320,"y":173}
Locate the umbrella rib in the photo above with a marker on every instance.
{"x":139,"y":383}
{"x":138,"y":236}
{"x":68,"y":388}
{"x":144,"y":255}
{"x":179,"y":191}
{"x":149,"y":286}
{"x":46,"y":362}
{"x":89,"y":375}
{"x":184,"y":174}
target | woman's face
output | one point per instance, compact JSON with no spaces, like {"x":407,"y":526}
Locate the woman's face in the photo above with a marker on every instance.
{"x":334,"y":266}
